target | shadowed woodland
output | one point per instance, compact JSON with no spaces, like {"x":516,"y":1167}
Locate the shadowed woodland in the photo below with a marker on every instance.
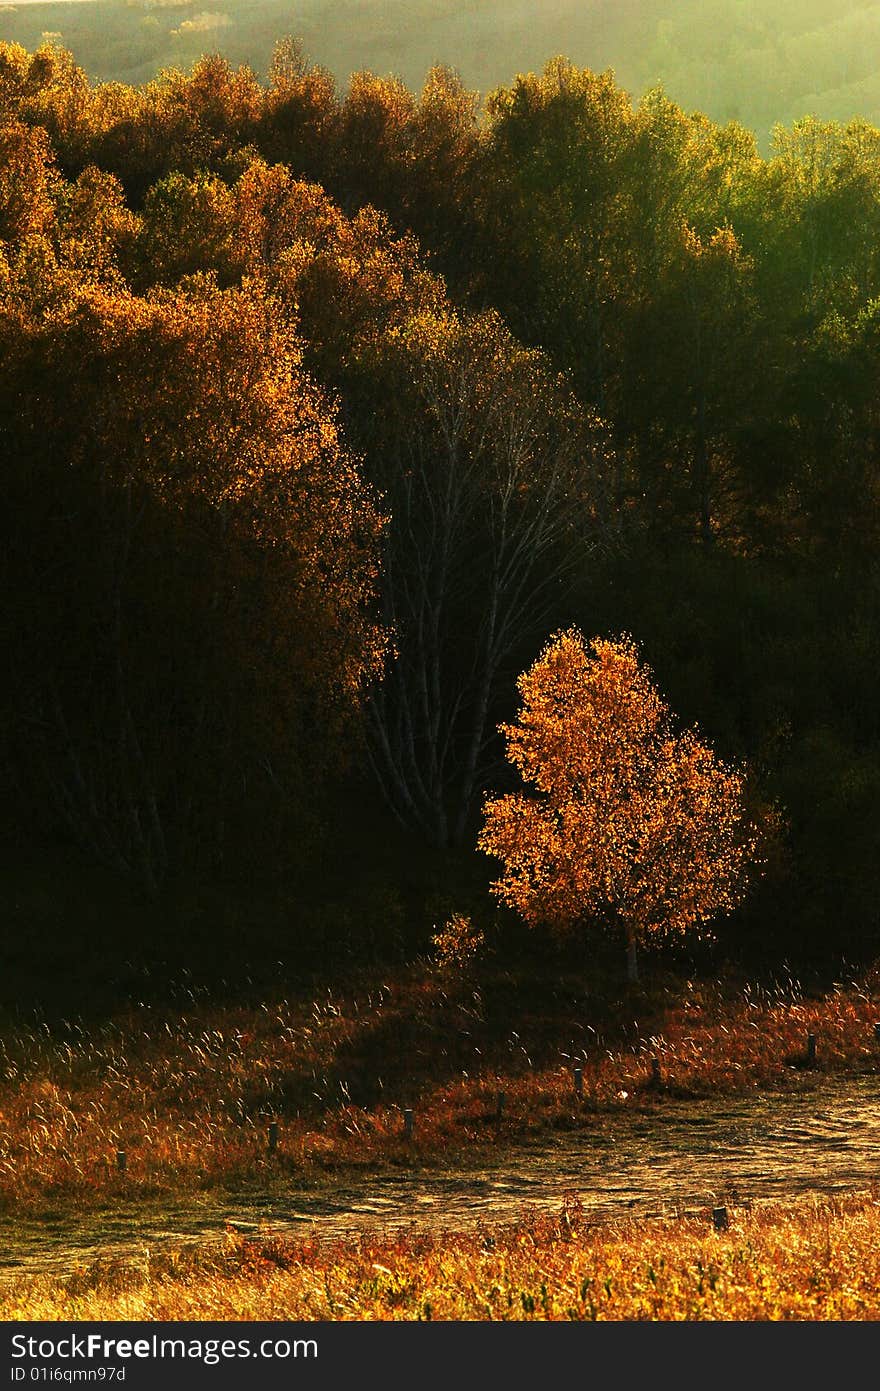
{"x":439,"y":558}
{"x":321,"y":413}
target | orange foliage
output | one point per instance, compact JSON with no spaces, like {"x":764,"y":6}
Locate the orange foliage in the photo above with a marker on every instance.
{"x":630,"y":818}
{"x":27,"y":179}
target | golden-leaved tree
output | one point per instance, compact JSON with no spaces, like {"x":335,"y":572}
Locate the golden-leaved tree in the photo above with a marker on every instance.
{"x":628,"y":818}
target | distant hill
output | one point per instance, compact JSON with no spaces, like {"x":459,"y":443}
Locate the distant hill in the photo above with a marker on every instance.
{"x":759,"y":61}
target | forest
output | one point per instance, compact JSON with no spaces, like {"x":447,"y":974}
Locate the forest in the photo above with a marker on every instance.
{"x":322,"y":413}
{"x":440,"y":592}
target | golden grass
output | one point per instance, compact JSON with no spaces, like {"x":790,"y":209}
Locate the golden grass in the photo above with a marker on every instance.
{"x":188,"y":1096}
{"x":816,"y":1259}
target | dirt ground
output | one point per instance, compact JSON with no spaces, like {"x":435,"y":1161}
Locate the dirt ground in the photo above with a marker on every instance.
{"x":683,"y":1156}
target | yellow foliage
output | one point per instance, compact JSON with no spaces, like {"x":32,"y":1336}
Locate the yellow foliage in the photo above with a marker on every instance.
{"x":457,"y":943}
{"x":806,"y":1260}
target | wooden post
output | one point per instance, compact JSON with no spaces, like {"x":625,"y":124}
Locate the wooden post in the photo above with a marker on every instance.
{"x":811,"y":1050}
{"x":121,"y":1160}
{"x":500,"y":1099}
{"x":408,"y":1123}
{"x":719,"y":1219}
{"x":655,"y":1071}
{"x":877,"y":1031}
{"x":579,"y":1081}
{"x":272,"y":1137}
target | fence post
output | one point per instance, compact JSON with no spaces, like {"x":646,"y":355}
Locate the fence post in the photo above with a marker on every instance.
{"x":811,"y":1050}
{"x":272,"y":1137}
{"x":121,"y":1160}
{"x":719,"y":1219}
{"x":579,"y":1081}
{"x":408,"y":1123}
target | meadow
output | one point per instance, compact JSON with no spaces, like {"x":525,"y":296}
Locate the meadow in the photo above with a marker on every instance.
{"x":157,"y":1101}
{"x":813,"y":1259}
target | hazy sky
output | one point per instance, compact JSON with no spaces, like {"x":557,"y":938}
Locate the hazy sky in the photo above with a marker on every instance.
{"x":758,"y":61}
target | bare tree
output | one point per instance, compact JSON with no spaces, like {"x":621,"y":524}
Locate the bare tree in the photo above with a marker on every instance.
{"x":491,"y":476}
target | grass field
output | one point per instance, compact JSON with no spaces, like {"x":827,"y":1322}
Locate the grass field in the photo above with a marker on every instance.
{"x":187,"y":1093}
{"x":185,"y":1099}
{"x":807,"y":1260}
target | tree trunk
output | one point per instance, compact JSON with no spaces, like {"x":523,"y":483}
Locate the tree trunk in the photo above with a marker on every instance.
{"x":632,"y":959}
{"x":703,"y":474}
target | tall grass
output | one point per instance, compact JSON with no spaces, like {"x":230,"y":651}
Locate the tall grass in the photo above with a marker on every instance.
{"x":808,"y":1260}
{"x":188,"y":1095}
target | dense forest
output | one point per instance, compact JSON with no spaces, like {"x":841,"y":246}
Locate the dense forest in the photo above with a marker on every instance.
{"x":761,"y":64}
{"x":320,"y":413}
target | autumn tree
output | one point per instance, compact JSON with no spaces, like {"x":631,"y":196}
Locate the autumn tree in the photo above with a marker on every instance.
{"x":27,"y":179}
{"x":629,"y":820}
{"x":827,"y":189}
{"x":188,"y":562}
{"x":445,"y":162}
{"x":187,"y":226}
{"x":94,"y":229}
{"x":300,"y":112}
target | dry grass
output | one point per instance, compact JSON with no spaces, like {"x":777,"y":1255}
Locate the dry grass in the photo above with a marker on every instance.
{"x":188,"y":1096}
{"x":810,"y":1260}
